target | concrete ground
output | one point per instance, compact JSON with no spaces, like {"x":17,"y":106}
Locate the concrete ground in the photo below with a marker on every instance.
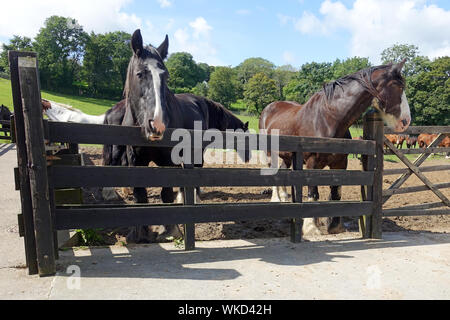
{"x":401,"y":266}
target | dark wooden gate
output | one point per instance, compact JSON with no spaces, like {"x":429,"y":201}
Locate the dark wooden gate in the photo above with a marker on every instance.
{"x":41,"y":217}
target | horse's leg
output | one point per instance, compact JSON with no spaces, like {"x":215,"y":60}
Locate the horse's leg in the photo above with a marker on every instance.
{"x":310,"y":224}
{"x":113,"y":156}
{"x":138,"y":234}
{"x":279,"y":193}
{"x":336,"y":193}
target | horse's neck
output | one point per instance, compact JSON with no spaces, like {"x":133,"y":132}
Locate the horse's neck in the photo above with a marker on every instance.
{"x":341,"y":111}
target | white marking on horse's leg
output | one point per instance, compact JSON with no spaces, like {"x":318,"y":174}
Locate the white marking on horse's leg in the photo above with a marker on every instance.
{"x":110,"y":194}
{"x":275,"y":195}
{"x":284,"y":196}
{"x":310,"y":228}
{"x":197,"y":198}
{"x":180,"y":197}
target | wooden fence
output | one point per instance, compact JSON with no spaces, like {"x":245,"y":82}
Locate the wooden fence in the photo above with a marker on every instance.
{"x":413,"y":168}
{"x":38,"y":178}
{"x":41,"y":218}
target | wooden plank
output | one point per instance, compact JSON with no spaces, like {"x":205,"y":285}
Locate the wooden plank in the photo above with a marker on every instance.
{"x":22,"y":160}
{"x":417,"y":172}
{"x":421,"y":159}
{"x":189,"y":228}
{"x":422,"y":169}
{"x":409,"y":213}
{"x":414,"y":189}
{"x":34,"y":132}
{"x":297,"y":197}
{"x":93,"y":176}
{"x":174,"y":214}
{"x":419,"y":151}
{"x":123,"y":135}
{"x":420,"y":129}
{"x":423,"y":206}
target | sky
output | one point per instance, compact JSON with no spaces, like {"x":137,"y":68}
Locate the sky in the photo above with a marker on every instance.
{"x":228,"y":32}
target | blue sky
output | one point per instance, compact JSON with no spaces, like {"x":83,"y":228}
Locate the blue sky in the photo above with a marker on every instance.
{"x":227,"y":32}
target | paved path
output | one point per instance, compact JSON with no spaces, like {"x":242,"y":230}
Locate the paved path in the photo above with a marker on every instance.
{"x":401,"y":266}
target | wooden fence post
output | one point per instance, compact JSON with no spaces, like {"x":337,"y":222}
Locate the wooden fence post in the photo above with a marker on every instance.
{"x":37,"y":164}
{"x":297,"y":197}
{"x":22,"y":161}
{"x":371,"y":226}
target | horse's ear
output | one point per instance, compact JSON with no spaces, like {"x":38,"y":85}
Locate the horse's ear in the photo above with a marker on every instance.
{"x":397,"y":68}
{"x":246,"y":126}
{"x":137,"y":43}
{"x":163,"y":49}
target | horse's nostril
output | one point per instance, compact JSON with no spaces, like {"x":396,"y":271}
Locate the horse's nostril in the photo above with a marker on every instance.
{"x":405,"y":122}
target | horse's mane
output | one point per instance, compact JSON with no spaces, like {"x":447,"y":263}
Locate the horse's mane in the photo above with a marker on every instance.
{"x":363,"y":77}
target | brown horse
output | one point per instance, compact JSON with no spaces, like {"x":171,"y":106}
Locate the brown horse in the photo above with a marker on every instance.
{"x":330,"y":113}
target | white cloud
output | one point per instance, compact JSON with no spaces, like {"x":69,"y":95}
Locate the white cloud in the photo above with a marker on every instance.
{"x":164,"y":3}
{"x":196,"y":39}
{"x":201,"y":27}
{"x":26,"y":17}
{"x":377,"y":24}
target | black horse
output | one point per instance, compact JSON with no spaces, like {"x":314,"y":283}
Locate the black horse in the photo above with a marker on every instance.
{"x":150,"y":105}
{"x":5,"y":114}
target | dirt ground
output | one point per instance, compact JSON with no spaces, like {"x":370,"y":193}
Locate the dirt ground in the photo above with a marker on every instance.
{"x":280,"y":228}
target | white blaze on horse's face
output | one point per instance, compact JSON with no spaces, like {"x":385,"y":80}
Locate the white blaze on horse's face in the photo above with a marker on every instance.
{"x":157,"y":122}
{"x":401,"y":123}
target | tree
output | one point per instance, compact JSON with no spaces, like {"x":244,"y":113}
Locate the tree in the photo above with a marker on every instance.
{"x":282,"y":75}
{"x":428,"y":94}
{"x":60,"y":46}
{"x":349,"y":66}
{"x":398,"y":52}
{"x":247,"y":69}
{"x":184,"y":72}
{"x":16,"y":43}
{"x":310,"y":79}
{"x":259,"y":91}
{"x":105,"y":63}
{"x":223,"y":86}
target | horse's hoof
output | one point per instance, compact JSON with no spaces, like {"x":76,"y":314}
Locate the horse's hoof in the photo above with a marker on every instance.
{"x":140,"y":235}
{"x":170,"y":232}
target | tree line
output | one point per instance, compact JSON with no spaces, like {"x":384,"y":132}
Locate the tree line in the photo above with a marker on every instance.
{"x":73,"y":61}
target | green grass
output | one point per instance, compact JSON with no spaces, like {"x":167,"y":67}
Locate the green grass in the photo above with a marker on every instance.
{"x":88,"y":105}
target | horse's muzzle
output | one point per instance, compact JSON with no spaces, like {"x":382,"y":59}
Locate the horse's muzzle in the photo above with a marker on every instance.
{"x":157,"y":129}
{"x":402,"y":125}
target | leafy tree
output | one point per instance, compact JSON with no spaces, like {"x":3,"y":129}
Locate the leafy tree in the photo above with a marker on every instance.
{"x":259,"y":91}
{"x":60,"y":46}
{"x":398,"y":52}
{"x":308,"y":81}
{"x":223,"y":86}
{"x":282,"y":75}
{"x":184,"y":71}
{"x":247,"y":69}
{"x":428,"y":94}
{"x":201,"y":89}
{"x":16,"y":43}
{"x":349,"y":66}
{"x":105,"y":63}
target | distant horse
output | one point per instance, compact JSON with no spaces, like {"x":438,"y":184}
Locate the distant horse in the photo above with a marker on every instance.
{"x":65,"y":113}
{"x":5,"y":114}
{"x":425,"y":139}
{"x":411,"y":142}
{"x":401,"y":138}
{"x":150,"y":105}
{"x":392,"y":139}
{"x":330,"y":113}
